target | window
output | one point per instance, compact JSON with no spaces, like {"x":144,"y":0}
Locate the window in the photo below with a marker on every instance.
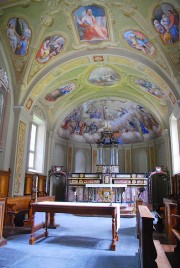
{"x":174,"y":145}
{"x":32,"y":150}
{"x":37,"y":145}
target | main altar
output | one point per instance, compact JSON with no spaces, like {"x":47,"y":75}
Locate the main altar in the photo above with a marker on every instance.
{"x":107,"y":184}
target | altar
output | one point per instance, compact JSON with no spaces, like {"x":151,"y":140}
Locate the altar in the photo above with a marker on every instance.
{"x":107,"y":191}
{"x":76,"y":208}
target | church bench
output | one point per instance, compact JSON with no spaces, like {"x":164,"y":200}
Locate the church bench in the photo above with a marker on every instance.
{"x":17,"y":209}
{"x":176,"y":231}
{"x":147,"y":249}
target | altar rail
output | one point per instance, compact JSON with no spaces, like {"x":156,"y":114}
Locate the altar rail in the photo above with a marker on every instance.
{"x":147,"y":250}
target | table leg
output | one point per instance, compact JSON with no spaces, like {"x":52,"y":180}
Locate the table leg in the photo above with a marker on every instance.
{"x":114,"y":230}
{"x":46,"y":224}
{"x":32,"y":240}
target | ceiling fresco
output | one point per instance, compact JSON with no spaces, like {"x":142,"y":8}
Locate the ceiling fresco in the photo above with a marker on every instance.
{"x":166,"y":21}
{"x":92,"y":63}
{"x":104,"y":76}
{"x":130,"y":121}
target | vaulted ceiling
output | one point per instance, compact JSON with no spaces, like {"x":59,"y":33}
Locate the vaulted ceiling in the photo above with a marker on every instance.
{"x":122,"y":71}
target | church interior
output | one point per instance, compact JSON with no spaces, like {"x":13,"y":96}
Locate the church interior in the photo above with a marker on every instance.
{"x":90,"y":120}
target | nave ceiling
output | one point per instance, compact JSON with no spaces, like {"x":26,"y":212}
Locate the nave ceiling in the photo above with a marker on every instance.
{"x":122,"y":73}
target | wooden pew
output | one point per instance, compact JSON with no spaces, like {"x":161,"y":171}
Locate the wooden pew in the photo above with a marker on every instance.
{"x":170,"y":208}
{"x":2,"y":209}
{"x":175,"y":227}
{"x":17,"y":208}
{"x":4,"y":182}
{"x":147,"y":250}
{"x":29,"y":184}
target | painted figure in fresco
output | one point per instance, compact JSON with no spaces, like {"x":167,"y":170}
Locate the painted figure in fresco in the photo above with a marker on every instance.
{"x":60,"y":92}
{"x":166,"y":23}
{"x":139,"y":41}
{"x":91,"y":29}
{"x":13,"y":36}
{"x":173,"y":26}
{"x":22,"y":46}
{"x":19,"y":36}
{"x":43,"y":53}
{"x":49,"y":48}
{"x":151,"y":88}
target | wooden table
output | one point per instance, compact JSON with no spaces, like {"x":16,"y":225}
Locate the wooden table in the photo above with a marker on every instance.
{"x":98,"y":209}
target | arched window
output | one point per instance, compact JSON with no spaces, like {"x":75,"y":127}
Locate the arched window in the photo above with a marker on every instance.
{"x":174,"y":144}
{"x":37,"y":145}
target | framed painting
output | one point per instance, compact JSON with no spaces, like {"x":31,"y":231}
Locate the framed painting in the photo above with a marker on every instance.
{"x":19,"y":35}
{"x":91,"y":23}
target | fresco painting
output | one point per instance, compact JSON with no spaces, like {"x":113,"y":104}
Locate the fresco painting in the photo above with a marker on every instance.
{"x":49,"y":48}
{"x":131,"y":122}
{"x":150,"y":88}
{"x":91,"y":23}
{"x":139,"y":41}
{"x":19,"y":35}
{"x":166,"y":22}
{"x":53,"y":96}
{"x":104,"y":76}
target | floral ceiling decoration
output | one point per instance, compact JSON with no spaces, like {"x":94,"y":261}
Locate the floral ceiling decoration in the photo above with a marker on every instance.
{"x":131,"y":122}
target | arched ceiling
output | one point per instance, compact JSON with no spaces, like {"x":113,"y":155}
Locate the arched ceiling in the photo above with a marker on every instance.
{"x":123,"y":71}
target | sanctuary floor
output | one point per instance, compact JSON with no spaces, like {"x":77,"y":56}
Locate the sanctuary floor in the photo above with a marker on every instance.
{"x":82,"y":242}
{"x":79,"y":242}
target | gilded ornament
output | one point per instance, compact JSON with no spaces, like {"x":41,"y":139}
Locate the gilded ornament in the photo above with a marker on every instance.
{"x":20,"y":155}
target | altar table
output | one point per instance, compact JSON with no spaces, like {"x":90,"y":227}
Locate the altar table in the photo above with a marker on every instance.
{"x":98,"y":209}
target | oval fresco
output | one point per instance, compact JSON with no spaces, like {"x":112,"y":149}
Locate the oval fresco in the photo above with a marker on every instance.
{"x":53,"y":96}
{"x":91,"y":23}
{"x":139,"y":41}
{"x":131,"y":122}
{"x":104,"y":76}
{"x":150,"y":88}
{"x":49,"y":48}
{"x":166,"y":22}
{"x":19,"y":35}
